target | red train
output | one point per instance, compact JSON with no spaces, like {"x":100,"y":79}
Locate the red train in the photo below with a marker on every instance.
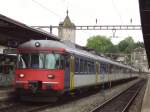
{"x":46,"y":69}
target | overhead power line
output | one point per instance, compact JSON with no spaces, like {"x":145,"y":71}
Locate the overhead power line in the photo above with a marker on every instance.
{"x":44,"y":7}
{"x":118,"y":13}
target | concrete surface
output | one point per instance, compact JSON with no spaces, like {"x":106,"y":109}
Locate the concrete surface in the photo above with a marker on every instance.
{"x":6,"y":93}
{"x":146,"y":100}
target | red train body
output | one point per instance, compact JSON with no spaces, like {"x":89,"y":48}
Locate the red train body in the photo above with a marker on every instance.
{"x":56,"y":82}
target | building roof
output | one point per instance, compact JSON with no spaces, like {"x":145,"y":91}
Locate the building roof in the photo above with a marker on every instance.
{"x":139,"y":49}
{"x":145,"y":21}
{"x":19,"y":32}
{"x":67,"y":22}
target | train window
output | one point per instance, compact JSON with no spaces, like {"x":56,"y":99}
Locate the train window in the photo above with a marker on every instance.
{"x":117,"y":69}
{"x":57,"y":59}
{"x":62,"y":62}
{"x":126,"y":70}
{"x":52,"y":61}
{"x":81,"y":66}
{"x":85,"y":67}
{"x":107,"y":68}
{"x":67,"y":61}
{"x":76,"y":65}
{"x":92,"y":68}
{"x":41,"y":60}
{"x":102,"y":68}
{"x":111,"y":69}
{"x":122,"y":70}
{"x":37,"y":60}
{"x":114,"y":69}
{"x":23,"y":60}
{"x":88,"y":67}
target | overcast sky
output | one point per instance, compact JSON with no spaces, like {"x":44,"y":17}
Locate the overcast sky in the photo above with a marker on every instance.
{"x":81,"y":12}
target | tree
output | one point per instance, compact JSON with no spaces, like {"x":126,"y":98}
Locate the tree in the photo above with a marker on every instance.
{"x":139,"y":44}
{"x":127,"y":45}
{"x":101,"y":44}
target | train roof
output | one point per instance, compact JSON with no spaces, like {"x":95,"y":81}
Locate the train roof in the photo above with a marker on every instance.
{"x":59,"y":44}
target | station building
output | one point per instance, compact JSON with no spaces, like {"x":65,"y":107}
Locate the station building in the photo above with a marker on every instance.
{"x":139,"y":59}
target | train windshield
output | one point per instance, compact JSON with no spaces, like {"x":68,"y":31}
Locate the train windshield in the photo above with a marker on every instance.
{"x":41,"y":61}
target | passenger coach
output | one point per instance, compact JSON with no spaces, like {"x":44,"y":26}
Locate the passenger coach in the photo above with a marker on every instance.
{"x":49,"y":68}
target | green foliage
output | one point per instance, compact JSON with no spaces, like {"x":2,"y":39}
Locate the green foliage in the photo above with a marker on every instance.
{"x":114,"y":49}
{"x":104,"y":45}
{"x":100,"y":44}
{"x":127,"y":45}
{"x":139,"y":44}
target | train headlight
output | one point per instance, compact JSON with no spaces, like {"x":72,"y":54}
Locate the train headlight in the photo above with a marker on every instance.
{"x":37,"y":44}
{"x":50,"y":76}
{"x":21,"y":75}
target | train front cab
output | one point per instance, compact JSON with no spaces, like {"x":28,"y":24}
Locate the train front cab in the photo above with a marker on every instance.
{"x":40,"y":73}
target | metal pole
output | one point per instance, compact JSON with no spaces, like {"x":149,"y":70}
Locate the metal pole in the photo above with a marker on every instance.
{"x":51,"y":29}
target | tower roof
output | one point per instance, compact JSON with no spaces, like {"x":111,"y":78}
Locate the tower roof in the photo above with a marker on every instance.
{"x":67,"y":22}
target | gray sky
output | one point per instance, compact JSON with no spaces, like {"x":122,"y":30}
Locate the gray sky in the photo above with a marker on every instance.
{"x":81,"y":12}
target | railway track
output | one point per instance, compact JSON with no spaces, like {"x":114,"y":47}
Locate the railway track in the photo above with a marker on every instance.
{"x":25,"y":107}
{"x":34,"y":107}
{"x":121,"y":102}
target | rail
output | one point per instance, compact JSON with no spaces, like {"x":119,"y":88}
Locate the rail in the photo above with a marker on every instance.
{"x":121,"y":102}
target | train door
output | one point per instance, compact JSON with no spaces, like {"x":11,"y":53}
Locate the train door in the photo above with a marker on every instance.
{"x":109,"y":74}
{"x":97,"y":72}
{"x":72,"y":72}
{"x":67,"y":72}
{"x":102,"y":72}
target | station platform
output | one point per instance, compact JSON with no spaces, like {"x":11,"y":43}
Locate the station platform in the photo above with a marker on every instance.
{"x":6,"y":93}
{"x":146,"y":100}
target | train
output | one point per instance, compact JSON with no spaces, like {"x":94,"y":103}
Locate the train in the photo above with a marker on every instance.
{"x":46,"y":69}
